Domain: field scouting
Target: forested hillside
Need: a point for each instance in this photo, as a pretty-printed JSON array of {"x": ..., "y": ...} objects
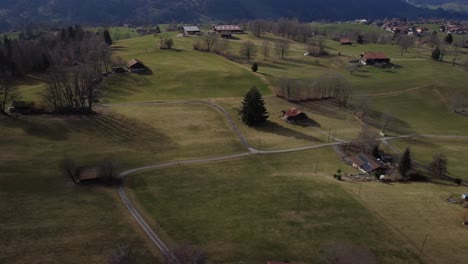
[
  {"x": 454, "y": 5},
  {"x": 15, "y": 13}
]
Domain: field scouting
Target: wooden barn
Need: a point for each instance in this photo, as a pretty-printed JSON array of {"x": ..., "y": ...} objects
[
  {"x": 346, "y": 41},
  {"x": 233, "y": 29},
  {"x": 136, "y": 65},
  {"x": 191, "y": 30},
  {"x": 294, "y": 115},
  {"x": 371, "y": 58}
]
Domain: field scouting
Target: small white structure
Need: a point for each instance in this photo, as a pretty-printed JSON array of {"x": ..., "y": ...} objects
[{"x": 465, "y": 196}]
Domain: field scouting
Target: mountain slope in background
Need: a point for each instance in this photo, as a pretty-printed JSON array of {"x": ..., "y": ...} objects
[
  {"x": 452, "y": 5},
  {"x": 20, "y": 12}
]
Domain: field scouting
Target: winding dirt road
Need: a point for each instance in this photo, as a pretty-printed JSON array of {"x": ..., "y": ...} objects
[{"x": 250, "y": 151}]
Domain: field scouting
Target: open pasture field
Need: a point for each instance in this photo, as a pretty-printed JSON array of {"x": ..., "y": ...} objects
[
  {"x": 424, "y": 111},
  {"x": 190, "y": 130},
  {"x": 248, "y": 209},
  {"x": 276, "y": 133},
  {"x": 424, "y": 149},
  {"x": 181, "y": 73},
  {"x": 417, "y": 210},
  {"x": 47, "y": 218}
]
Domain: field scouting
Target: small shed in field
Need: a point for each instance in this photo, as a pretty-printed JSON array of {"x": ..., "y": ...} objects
[
  {"x": 136, "y": 65},
  {"x": 294, "y": 115},
  {"x": 191, "y": 30}
]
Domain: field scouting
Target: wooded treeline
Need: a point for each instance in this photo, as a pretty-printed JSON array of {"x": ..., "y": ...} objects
[
  {"x": 302, "y": 32},
  {"x": 328, "y": 86},
  {"x": 71, "y": 61}
]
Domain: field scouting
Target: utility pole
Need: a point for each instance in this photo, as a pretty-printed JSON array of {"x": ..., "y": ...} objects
[
  {"x": 299, "y": 203},
  {"x": 329, "y": 132},
  {"x": 425, "y": 239},
  {"x": 316, "y": 166}
]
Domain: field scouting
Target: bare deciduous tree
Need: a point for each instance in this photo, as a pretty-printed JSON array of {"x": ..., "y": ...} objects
[
  {"x": 282, "y": 47},
  {"x": 405, "y": 42},
  {"x": 69, "y": 167},
  {"x": 209, "y": 42},
  {"x": 8, "y": 92},
  {"x": 166, "y": 42},
  {"x": 438, "y": 166},
  {"x": 186, "y": 254},
  {"x": 343, "y": 252},
  {"x": 265, "y": 50},
  {"x": 122, "y": 255},
  {"x": 248, "y": 50},
  {"x": 328, "y": 86}
]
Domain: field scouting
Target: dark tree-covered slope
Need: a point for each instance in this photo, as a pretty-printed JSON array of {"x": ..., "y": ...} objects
[{"x": 17, "y": 12}]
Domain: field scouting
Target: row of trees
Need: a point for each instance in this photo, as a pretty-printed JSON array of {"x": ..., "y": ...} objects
[{"x": 328, "y": 86}]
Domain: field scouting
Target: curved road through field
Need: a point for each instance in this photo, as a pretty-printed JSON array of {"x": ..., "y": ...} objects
[{"x": 251, "y": 151}]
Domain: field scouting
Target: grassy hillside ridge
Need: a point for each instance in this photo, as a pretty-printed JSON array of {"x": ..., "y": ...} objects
[{"x": 181, "y": 73}]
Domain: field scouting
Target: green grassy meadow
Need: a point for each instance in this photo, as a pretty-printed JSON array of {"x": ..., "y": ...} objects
[
  {"x": 417, "y": 210},
  {"x": 242, "y": 209},
  {"x": 455, "y": 150},
  {"x": 247, "y": 209},
  {"x": 181, "y": 73},
  {"x": 45, "y": 217}
]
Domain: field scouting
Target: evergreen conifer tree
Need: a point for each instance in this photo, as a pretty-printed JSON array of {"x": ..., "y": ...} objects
[
  {"x": 253, "y": 111},
  {"x": 405, "y": 163},
  {"x": 107, "y": 37}
]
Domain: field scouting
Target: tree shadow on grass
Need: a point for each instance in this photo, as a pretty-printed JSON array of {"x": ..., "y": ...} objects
[
  {"x": 119, "y": 48},
  {"x": 394, "y": 126},
  {"x": 311, "y": 62},
  {"x": 360, "y": 75},
  {"x": 326, "y": 108},
  {"x": 274, "y": 128},
  {"x": 40, "y": 126},
  {"x": 147, "y": 71},
  {"x": 120, "y": 128}
]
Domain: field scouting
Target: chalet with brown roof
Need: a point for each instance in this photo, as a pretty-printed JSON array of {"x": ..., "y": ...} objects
[
  {"x": 233, "y": 29},
  {"x": 136, "y": 65},
  {"x": 346, "y": 41},
  {"x": 294, "y": 115},
  {"x": 366, "y": 163},
  {"x": 371, "y": 58}
]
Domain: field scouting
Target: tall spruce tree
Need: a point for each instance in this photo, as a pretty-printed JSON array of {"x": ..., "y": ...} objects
[
  {"x": 107, "y": 37},
  {"x": 436, "y": 54},
  {"x": 449, "y": 39},
  {"x": 405, "y": 163},
  {"x": 253, "y": 111}
]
